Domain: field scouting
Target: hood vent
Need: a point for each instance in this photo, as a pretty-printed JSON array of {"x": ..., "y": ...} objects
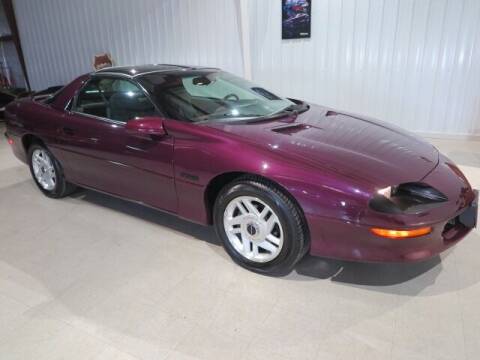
[
  {"x": 331, "y": 113},
  {"x": 291, "y": 129}
]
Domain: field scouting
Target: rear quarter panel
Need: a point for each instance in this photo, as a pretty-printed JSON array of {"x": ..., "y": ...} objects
[{"x": 26, "y": 117}]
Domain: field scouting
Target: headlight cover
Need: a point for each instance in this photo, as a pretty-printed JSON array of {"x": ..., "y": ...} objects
[{"x": 408, "y": 198}]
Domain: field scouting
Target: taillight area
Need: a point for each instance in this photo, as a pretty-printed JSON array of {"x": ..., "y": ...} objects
[
  {"x": 9, "y": 139},
  {"x": 401, "y": 234}
]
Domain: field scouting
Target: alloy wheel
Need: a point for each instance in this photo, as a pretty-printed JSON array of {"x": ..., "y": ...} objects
[
  {"x": 253, "y": 229},
  {"x": 44, "y": 170}
]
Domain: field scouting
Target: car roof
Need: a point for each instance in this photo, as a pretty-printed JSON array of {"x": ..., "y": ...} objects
[{"x": 138, "y": 70}]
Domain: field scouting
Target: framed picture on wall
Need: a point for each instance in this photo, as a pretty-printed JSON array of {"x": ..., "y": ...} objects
[{"x": 296, "y": 19}]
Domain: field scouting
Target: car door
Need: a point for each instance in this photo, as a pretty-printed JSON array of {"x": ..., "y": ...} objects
[{"x": 100, "y": 153}]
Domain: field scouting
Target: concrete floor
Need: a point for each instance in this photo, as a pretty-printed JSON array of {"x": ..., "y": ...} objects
[{"x": 92, "y": 277}]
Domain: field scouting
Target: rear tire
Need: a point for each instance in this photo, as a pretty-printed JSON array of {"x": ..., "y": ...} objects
[
  {"x": 261, "y": 228},
  {"x": 47, "y": 173}
]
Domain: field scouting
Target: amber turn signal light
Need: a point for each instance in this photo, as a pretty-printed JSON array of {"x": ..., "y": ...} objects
[{"x": 401, "y": 234}]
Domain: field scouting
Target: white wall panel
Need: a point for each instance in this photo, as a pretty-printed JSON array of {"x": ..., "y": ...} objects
[
  {"x": 60, "y": 37},
  {"x": 415, "y": 63}
]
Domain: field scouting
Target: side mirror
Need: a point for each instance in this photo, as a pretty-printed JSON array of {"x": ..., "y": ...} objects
[{"x": 146, "y": 127}]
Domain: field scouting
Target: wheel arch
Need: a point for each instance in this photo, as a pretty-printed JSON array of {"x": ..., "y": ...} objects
[
  {"x": 214, "y": 187},
  {"x": 220, "y": 181},
  {"x": 30, "y": 139}
]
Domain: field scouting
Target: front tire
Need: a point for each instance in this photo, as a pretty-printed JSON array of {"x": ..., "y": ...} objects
[
  {"x": 47, "y": 172},
  {"x": 261, "y": 228}
]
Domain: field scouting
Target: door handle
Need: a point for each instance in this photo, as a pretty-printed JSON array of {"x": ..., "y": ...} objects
[{"x": 68, "y": 131}]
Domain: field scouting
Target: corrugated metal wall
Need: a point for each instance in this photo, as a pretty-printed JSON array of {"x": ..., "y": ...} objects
[
  {"x": 60, "y": 37},
  {"x": 415, "y": 63},
  {"x": 9, "y": 61}
]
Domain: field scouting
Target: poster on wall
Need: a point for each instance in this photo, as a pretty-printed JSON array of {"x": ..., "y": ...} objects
[{"x": 296, "y": 19}]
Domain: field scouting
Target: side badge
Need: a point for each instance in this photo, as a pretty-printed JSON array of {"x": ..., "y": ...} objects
[{"x": 190, "y": 177}]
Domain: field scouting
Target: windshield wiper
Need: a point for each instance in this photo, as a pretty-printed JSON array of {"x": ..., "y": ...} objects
[
  {"x": 290, "y": 110},
  {"x": 229, "y": 116},
  {"x": 298, "y": 108}
]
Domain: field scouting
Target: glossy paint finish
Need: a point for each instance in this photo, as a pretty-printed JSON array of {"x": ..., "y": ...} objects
[
  {"x": 146, "y": 127},
  {"x": 331, "y": 163}
]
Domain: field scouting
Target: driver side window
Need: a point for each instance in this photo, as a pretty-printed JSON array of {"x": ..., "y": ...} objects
[{"x": 115, "y": 99}]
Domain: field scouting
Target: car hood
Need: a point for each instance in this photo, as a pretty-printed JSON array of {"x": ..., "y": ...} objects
[{"x": 361, "y": 148}]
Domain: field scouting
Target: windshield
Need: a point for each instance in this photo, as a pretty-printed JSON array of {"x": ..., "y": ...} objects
[{"x": 201, "y": 95}]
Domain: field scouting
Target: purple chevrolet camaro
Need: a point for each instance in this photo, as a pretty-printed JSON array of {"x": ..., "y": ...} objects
[{"x": 277, "y": 177}]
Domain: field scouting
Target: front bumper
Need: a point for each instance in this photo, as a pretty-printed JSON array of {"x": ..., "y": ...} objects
[{"x": 349, "y": 241}]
